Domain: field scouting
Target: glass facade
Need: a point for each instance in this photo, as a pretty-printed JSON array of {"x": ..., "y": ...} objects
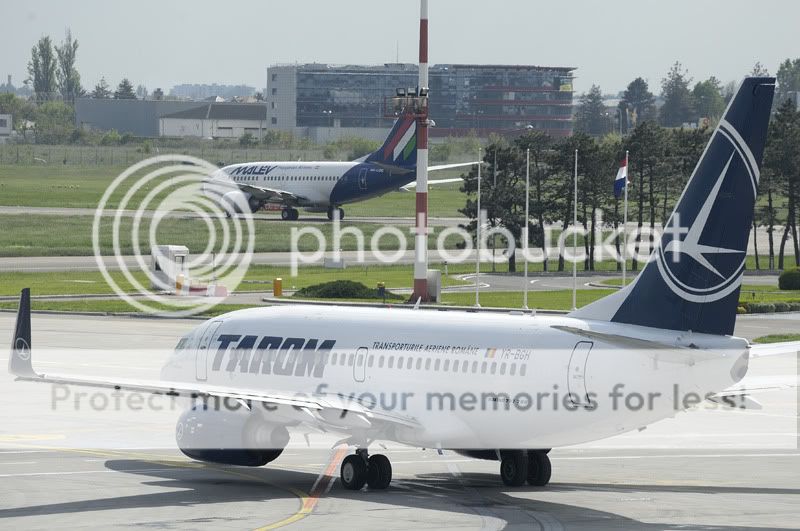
[{"x": 464, "y": 98}]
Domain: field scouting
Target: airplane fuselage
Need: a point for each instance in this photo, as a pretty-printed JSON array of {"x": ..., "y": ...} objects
[
  {"x": 495, "y": 381},
  {"x": 320, "y": 184}
]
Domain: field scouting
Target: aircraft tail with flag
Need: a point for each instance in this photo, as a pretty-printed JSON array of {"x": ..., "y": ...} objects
[{"x": 400, "y": 148}]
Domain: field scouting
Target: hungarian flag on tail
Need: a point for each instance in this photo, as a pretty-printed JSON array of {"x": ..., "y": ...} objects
[{"x": 622, "y": 179}]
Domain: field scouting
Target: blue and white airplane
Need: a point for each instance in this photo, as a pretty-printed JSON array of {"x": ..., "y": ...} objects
[
  {"x": 325, "y": 186},
  {"x": 490, "y": 386}
]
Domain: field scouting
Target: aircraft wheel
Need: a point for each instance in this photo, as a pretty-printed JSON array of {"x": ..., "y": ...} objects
[
  {"x": 514, "y": 468},
  {"x": 286, "y": 214},
  {"x": 295, "y": 214},
  {"x": 354, "y": 472},
  {"x": 379, "y": 472},
  {"x": 539, "y": 469}
]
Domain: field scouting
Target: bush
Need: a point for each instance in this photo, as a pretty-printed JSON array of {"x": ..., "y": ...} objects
[
  {"x": 789, "y": 279},
  {"x": 343, "y": 289},
  {"x": 794, "y": 306},
  {"x": 741, "y": 309},
  {"x": 781, "y": 307},
  {"x": 111, "y": 138},
  {"x": 760, "y": 307}
]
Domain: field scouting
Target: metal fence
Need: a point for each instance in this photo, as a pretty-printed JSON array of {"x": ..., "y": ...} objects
[{"x": 31, "y": 154}]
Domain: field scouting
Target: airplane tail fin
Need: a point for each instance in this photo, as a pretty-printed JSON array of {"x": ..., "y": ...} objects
[
  {"x": 693, "y": 277},
  {"x": 400, "y": 148},
  {"x": 19, "y": 362}
]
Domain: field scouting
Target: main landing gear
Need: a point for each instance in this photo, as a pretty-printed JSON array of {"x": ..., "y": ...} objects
[
  {"x": 359, "y": 469},
  {"x": 519, "y": 466},
  {"x": 289, "y": 214},
  {"x": 332, "y": 211}
]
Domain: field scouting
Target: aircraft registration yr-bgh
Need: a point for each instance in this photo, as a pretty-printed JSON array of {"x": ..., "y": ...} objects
[
  {"x": 505, "y": 387},
  {"x": 325, "y": 186}
]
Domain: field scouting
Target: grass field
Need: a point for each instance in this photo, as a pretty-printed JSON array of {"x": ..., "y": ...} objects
[
  {"x": 258, "y": 278},
  {"x": 777, "y": 338},
  {"x": 112, "y": 306}
]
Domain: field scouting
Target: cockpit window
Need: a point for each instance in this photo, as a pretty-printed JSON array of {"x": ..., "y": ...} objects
[{"x": 182, "y": 344}]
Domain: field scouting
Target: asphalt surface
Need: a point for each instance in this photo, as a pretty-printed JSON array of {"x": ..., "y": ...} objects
[{"x": 705, "y": 469}]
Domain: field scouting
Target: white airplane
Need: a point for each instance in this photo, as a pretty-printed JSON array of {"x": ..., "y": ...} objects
[
  {"x": 505, "y": 387},
  {"x": 325, "y": 186}
]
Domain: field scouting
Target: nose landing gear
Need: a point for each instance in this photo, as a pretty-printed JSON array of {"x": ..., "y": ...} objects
[{"x": 289, "y": 214}]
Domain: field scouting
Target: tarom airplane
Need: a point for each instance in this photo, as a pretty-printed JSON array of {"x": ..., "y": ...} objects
[
  {"x": 325, "y": 186},
  {"x": 490, "y": 386}
]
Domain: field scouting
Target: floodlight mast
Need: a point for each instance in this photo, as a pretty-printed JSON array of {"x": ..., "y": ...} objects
[{"x": 421, "y": 111}]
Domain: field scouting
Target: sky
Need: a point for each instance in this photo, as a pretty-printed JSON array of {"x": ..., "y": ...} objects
[{"x": 163, "y": 43}]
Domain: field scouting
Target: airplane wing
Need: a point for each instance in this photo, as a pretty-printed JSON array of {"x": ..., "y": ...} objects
[
  {"x": 412, "y": 184},
  {"x": 450, "y": 166},
  {"x": 270, "y": 195},
  {"x": 319, "y": 410}
]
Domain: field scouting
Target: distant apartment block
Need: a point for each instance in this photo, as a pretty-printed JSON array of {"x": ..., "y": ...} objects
[{"x": 319, "y": 100}]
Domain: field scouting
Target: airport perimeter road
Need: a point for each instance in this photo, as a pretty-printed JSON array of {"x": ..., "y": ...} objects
[
  {"x": 305, "y": 217},
  {"x": 707, "y": 468}
]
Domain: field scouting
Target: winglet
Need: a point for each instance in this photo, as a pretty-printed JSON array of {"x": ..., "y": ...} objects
[{"x": 19, "y": 362}]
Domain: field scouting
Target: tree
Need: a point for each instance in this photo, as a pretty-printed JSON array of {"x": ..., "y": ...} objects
[
  {"x": 69, "y": 80},
  {"x": 502, "y": 197},
  {"x": 788, "y": 78},
  {"x": 782, "y": 162},
  {"x": 592, "y": 117},
  {"x": 101, "y": 90},
  {"x": 639, "y": 100},
  {"x": 158, "y": 94},
  {"x": 141, "y": 92},
  {"x": 124, "y": 90},
  {"x": 708, "y": 99},
  {"x": 759, "y": 70},
  {"x": 538, "y": 143},
  {"x": 677, "y": 108},
  {"x": 20, "y": 109},
  {"x": 55, "y": 122},
  {"x": 42, "y": 69}
]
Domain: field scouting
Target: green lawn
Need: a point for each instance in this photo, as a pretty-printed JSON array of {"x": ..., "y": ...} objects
[
  {"x": 113, "y": 306},
  {"x": 777, "y": 338},
  {"x": 258, "y": 278}
]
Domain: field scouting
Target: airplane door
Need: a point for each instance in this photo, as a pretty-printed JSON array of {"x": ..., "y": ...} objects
[
  {"x": 201, "y": 355},
  {"x": 576, "y": 374},
  {"x": 360, "y": 364},
  {"x": 362, "y": 179}
]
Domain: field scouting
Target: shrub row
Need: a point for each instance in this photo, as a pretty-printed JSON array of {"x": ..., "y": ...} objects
[{"x": 768, "y": 307}]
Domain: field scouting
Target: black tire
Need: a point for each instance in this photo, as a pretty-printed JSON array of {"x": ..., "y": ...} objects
[
  {"x": 341, "y": 214},
  {"x": 514, "y": 468},
  {"x": 539, "y": 469},
  {"x": 379, "y": 473},
  {"x": 353, "y": 472},
  {"x": 295, "y": 214},
  {"x": 286, "y": 214}
]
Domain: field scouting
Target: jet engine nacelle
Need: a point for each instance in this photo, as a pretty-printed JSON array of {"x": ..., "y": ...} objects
[
  {"x": 239, "y": 437},
  {"x": 240, "y": 202}
]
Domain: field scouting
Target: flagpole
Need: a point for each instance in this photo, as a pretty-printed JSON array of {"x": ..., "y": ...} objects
[
  {"x": 478, "y": 237},
  {"x": 575, "y": 239},
  {"x": 625, "y": 223},
  {"x": 527, "y": 218}
]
